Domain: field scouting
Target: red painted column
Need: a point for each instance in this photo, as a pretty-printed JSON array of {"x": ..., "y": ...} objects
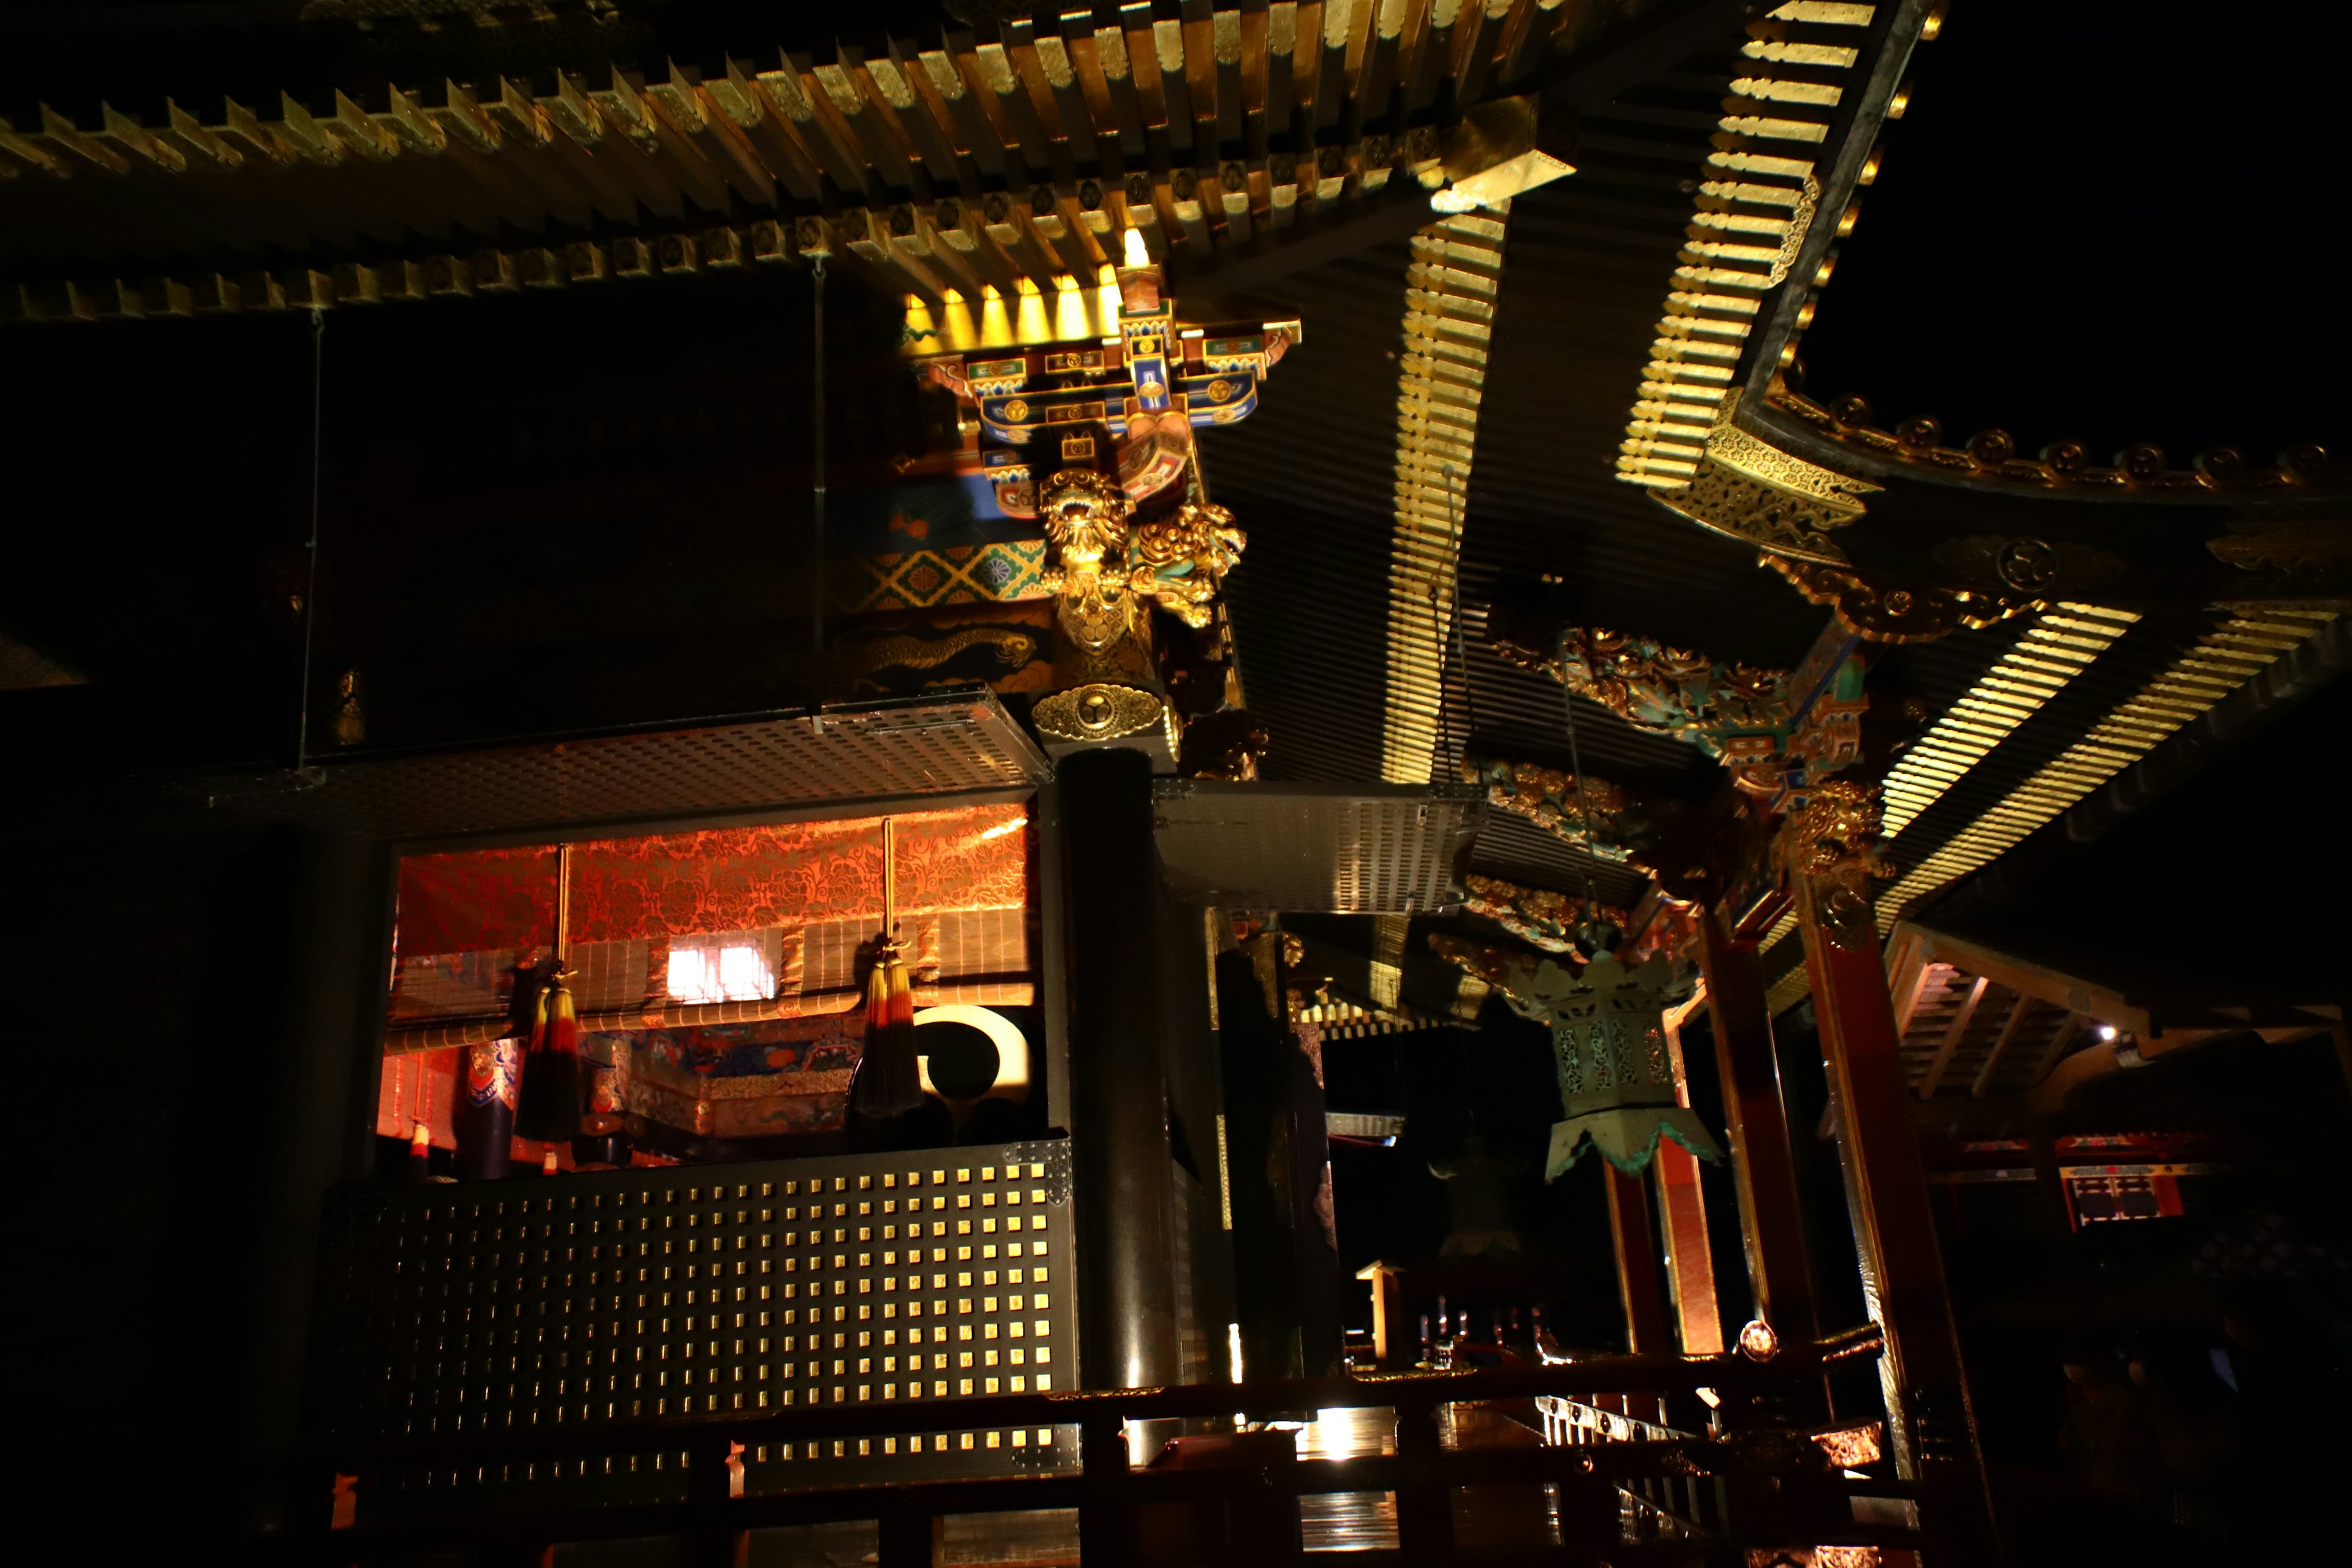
[
  {"x": 1931, "y": 1429},
  {"x": 1637, "y": 1262},
  {"x": 1690, "y": 1261},
  {"x": 1682, "y": 1214},
  {"x": 1771, "y": 1214}
]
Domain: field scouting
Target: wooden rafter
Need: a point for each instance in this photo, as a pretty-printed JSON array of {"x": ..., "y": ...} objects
[
  {"x": 2020, "y": 1006},
  {"x": 958, "y": 160},
  {"x": 1953, "y": 1034}
]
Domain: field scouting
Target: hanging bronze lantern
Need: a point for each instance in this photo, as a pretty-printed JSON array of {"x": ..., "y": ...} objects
[{"x": 1609, "y": 1047}]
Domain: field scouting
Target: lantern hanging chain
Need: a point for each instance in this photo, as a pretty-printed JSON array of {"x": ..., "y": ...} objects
[
  {"x": 311, "y": 583},
  {"x": 816, "y": 448},
  {"x": 1576, "y": 763}
]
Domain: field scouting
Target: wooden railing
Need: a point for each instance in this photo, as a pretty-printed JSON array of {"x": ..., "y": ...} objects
[{"x": 1763, "y": 1487}]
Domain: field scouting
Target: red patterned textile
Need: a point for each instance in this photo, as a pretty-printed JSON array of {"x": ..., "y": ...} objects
[
  {"x": 421, "y": 1087},
  {"x": 727, "y": 880},
  {"x": 477, "y": 899}
]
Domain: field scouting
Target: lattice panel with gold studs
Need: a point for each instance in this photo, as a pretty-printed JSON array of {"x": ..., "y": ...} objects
[{"x": 917, "y": 1279}]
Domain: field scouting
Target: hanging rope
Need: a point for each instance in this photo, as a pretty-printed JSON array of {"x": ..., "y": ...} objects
[
  {"x": 889, "y": 1079},
  {"x": 816, "y": 432},
  {"x": 1591, "y": 914},
  {"x": 311, "y": 583},
  {"x": 1438, "y": 764},
  {"x": 1437, "y": 624},
  {"x": 1461, "y": 647}
]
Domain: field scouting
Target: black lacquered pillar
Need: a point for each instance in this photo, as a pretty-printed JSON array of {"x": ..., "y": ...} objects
[{"x": 1118, "y": 1109}]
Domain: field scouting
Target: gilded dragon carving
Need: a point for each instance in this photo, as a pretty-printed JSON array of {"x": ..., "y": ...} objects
[
  {"x": 1101, "y": 566},
  {"x": 1085, "y": 516},
  {"x": 1538, "y": 915},
  {"x": 1891, "y": 615},
  {"x": 1831, "y": 844},
  {"x": 1181, "y": 561},
  {"x": 1593, "y": 816}
]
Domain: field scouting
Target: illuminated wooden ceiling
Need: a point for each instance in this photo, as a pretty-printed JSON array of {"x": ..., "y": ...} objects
[
  {"x": 944, "y": 160},
  {"x": 1275, "y": 154}
]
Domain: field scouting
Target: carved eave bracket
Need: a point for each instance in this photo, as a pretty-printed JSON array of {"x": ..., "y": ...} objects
[
  {"x": 1540, "y": 915},
  {"x": 1828, "y": 852},
  {"x": 1548, "y": 919},
  {"x": 1776, "y": 729}
]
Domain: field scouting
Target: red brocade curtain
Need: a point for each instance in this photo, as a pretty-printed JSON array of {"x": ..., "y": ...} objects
[
  {"x": 478, "y": 900},
  {"x": 725, "y": 879}
]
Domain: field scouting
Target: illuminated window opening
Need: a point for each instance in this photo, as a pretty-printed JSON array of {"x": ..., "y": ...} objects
[{"x": 734, "y": 966}]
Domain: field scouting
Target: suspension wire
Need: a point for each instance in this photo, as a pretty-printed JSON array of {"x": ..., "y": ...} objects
[
  {"x": 1437, "y": 622},
  {"x": 1576, "y": 761},
  {"x": 1461, "y": 647},
  {"x": 816, "y": 499},
  {"x": 311, "y": 585},
  {"x": 1444, "y": 720}
]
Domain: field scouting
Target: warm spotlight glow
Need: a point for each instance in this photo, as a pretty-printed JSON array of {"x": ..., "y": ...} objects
[
  {"x": 1135, "y": 255},
  {"x": 1232, "y": 1330},
  {"x": 995, "y": 324},
  {"x": 1070, "y": 310},
  {"x": 1029, "y": 326},
  {"x": 921, "y": 329},
  {"x": 962, "y": 332},
  {"x": 2106, "y": 1031}
]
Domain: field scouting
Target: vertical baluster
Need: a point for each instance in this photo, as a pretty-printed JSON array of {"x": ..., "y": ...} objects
[
  {"x": 711, "y": 1480},
  {"x": 911, "y": 1538},
  {"x": 1106, "y": 1517},
  {"x": 1424, "y": 1510}
]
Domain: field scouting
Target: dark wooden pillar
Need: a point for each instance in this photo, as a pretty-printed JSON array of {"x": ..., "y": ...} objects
[
  {"x": 1119, "y": 1110},
  {"x": 1931, "y": 1429},
  {"x": 1771, "y": 1214},
  {"x": 322, "y": 1129},
  {"x": 1287, "y": 1284},
  {"x": 1637, "y": 1242}
]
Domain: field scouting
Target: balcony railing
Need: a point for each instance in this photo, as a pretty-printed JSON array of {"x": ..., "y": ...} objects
[{"x": 1764, "y": 1487}]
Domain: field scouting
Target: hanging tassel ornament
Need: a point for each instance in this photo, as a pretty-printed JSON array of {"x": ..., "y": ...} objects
[
  {"x": 549, "y": 1111},
  {"x": 550, "y": 1106},
  {"x": 889, "y": 1080}
]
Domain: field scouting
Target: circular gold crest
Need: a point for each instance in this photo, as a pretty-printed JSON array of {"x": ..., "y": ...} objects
[
  {"x": 1017, "y": 410},
  {"x": 1220, "y": 390}
]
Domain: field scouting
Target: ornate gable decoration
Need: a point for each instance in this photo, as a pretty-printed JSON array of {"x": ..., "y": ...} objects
[{"x": 1748, "y": 489}]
